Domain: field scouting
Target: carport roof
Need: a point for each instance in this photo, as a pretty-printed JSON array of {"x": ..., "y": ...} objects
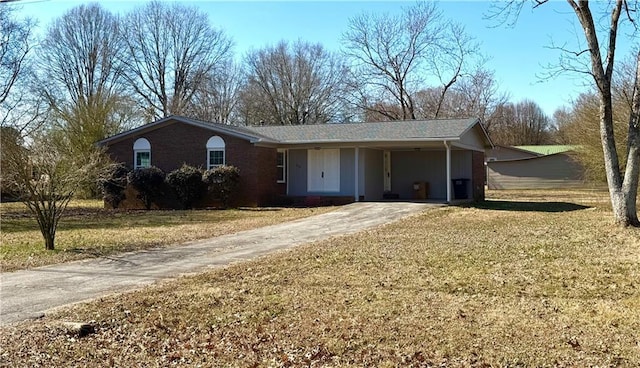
[{"x": 405, "y": 130}]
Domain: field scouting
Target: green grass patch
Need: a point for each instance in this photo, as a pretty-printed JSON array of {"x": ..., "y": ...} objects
[
  {"x": 89, "y": 230},
  {"x": 455, "y": 287}
]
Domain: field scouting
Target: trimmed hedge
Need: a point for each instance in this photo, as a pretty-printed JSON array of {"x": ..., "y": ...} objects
[
  {"x": 187, "y": 184},
  {"x": 183, "y": 187},
  {"x": 223, "y": 182},
  {"x": 148, "y": 181},
  {"x": 114, "y": 184}
]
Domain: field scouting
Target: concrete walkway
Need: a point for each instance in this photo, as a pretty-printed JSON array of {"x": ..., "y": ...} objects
[{"x": 30, "y": 293}]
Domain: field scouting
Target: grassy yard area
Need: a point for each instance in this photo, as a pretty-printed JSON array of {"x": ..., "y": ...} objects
[
  {"x": 89, "y": 230},
  {"x": 527, "y": 279}
]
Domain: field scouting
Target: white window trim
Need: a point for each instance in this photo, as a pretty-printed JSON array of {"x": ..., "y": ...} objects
[
  {"x": 141, "y": 145},
  {"x": 284, "y": 166},
  {"x": 216, "y": 144}
]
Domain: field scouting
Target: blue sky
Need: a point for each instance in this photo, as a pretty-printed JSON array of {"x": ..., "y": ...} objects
[{"x": 518, "y": 54}]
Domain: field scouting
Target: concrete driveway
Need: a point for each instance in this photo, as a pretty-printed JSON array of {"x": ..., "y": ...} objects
[{"x": 30, "y": 293}]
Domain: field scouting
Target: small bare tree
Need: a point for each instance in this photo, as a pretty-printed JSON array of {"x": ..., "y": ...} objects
[
  {"x": 45, "y": 180},
  {"x": 171, "y": 49},
  {"x": 301, "y": 83},
  {"x": 597, "y": 60}
]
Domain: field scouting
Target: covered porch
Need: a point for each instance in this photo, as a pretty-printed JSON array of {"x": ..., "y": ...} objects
[{"x": 392, "y": 171}]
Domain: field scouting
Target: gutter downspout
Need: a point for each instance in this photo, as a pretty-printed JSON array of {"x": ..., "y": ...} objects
[{"x": 448, "y": 183}]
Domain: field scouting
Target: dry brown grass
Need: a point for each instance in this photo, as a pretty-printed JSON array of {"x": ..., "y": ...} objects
[
  {"x": 506, "y": 284},
  {"x": 89, "y": 230}
]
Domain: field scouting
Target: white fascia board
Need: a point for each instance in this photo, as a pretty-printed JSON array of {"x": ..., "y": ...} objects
[{"x": 373, "y": 141}]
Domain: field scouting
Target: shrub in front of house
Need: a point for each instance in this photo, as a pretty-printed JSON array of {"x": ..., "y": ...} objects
[
  {"x": 113, "y": 184},
  {"x": 223, "y": 182},
  {"x": 148, "y": 181},
  {"x": 187, "y": 184}
]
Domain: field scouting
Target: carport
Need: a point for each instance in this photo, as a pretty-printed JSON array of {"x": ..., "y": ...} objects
[{"x": 386, "y": 160}]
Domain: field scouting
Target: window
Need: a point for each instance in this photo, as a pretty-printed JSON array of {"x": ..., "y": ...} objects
[
  {"x": 141, "y": 153},
  {"x": 215, "y": 152},
  {"x": 216, "y": 158},
  {"x": 282, "y": 166}
]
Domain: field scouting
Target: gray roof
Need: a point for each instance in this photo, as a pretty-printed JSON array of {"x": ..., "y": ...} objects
[
  {"x": 388, "y": 131},
  {"x": 406, "y": 130}
]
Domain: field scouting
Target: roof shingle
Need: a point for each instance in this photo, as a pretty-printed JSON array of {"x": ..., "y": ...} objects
[{"x": 364, "y": 132}]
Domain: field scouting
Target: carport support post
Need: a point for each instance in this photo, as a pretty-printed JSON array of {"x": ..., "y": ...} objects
[
  {"x": 357, "y": 173},
  {"x": 448, "y": 184}
]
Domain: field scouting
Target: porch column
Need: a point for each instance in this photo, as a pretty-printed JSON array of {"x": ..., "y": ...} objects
[
  {"x": 357, "y": 174},
  {"x": 286, "y": 169},
  {"x": 448, "y": 147}
]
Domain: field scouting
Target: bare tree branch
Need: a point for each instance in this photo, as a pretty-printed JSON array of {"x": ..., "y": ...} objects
[
  {"x": 393, "y": 51},
  {"x": 219, "y": 96},
  {"x": 15, "y": 44},
  {"x": 294, "y": 84},
  {"x": 171, "y": 49}
]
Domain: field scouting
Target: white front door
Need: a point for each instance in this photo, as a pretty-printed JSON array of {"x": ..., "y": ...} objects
[
  {"x": 315, "y": 168},
  {"x": 387, "y": 171},
  {"x": 323, "y": 170}
]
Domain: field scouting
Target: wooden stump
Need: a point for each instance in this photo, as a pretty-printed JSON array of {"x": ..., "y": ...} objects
[{"x": 79, "y": 328}]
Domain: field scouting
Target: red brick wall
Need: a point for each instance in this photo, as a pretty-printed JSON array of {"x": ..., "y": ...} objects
[
  {"x": 175, "y": 143},
  {"x": 258, "y": 172},
  {"x": 477, "y": 176}
]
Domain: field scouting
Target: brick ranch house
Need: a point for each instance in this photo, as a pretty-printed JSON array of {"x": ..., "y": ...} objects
[{"x": 415, "y": 159}]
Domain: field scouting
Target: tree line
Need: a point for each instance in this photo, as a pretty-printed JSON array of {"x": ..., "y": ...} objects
[{"x": 94, "y": 74}]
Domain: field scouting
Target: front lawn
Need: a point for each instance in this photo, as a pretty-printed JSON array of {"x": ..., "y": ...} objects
[
  {"x": 89, "y": 230},
  {"x": 507, "y": 283}
]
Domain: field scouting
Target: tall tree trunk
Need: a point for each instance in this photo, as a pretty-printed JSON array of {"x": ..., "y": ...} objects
[
  {"x": 622, "y": 190},
  {"x": 632, "y": 171},
  {"x": 611, "y": 163}
]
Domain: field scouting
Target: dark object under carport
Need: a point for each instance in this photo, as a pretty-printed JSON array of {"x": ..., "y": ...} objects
[
  {"x": 420, "y": 190},
  {"x": 460, "y": 188}
]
